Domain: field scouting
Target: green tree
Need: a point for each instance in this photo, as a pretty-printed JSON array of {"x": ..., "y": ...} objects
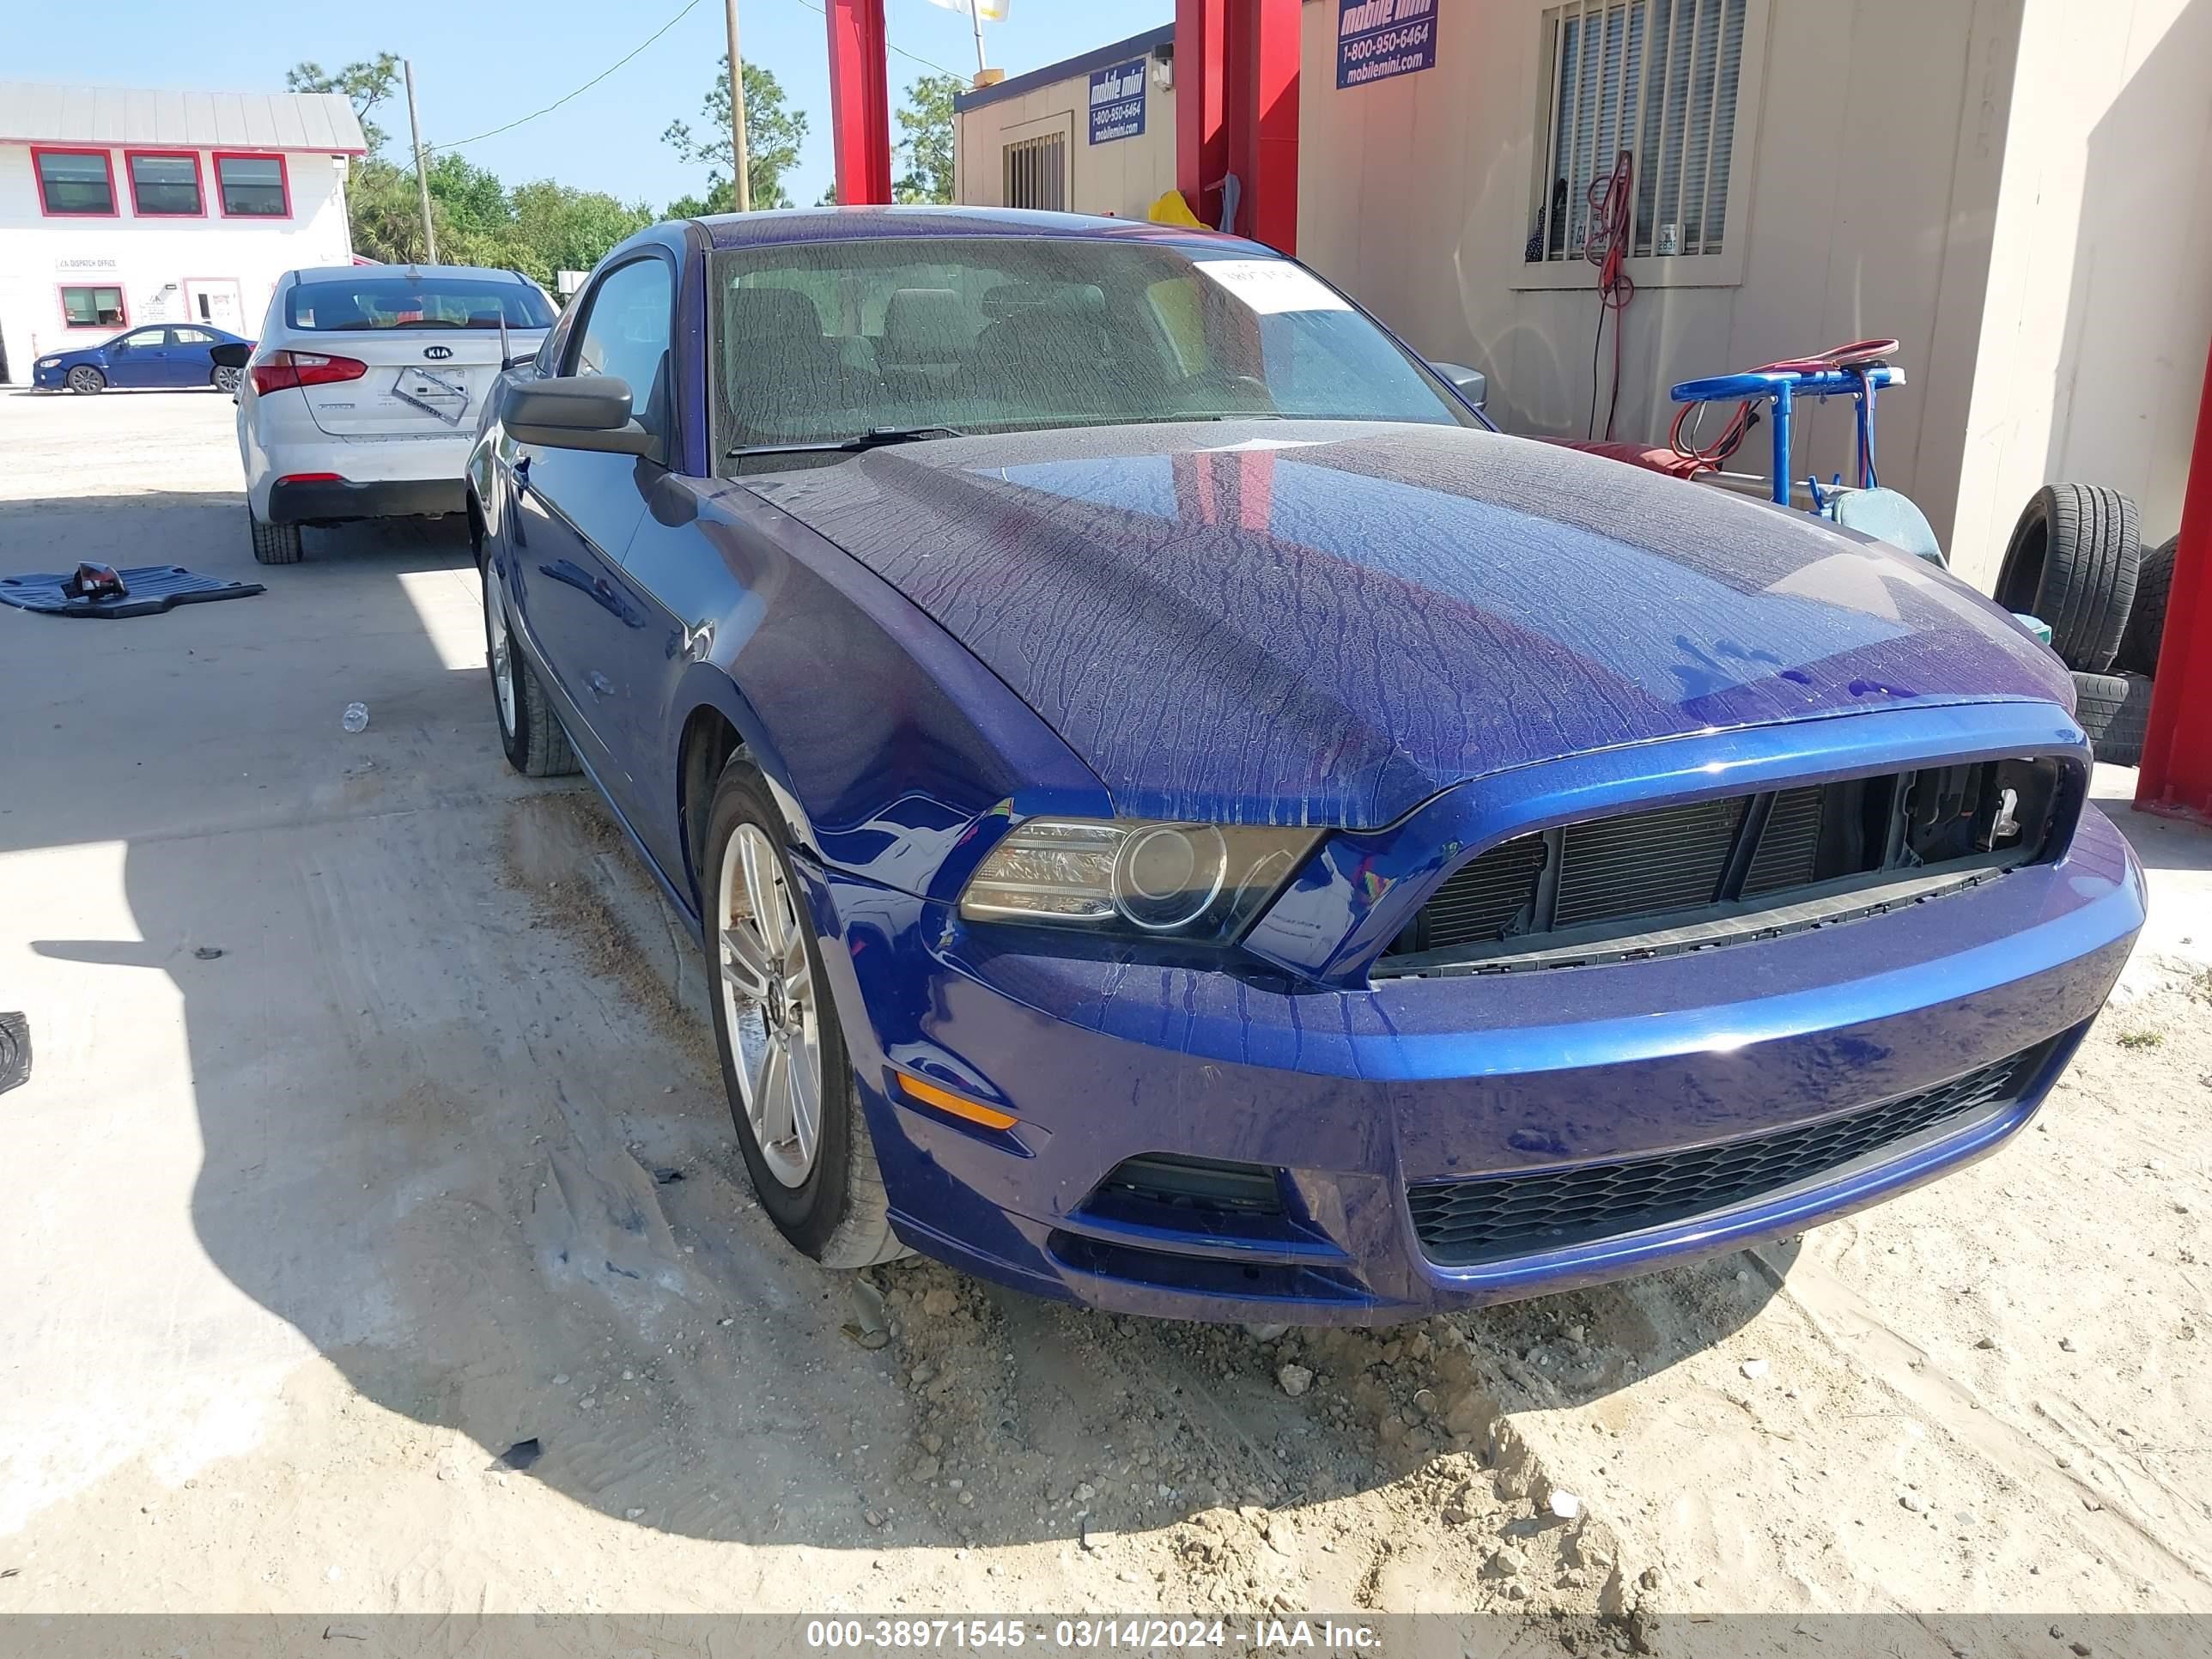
[
  {"x": 474, "y": 200},
  {"x": 926, "y": 139},
  {"x": 381, "y": 206},
  {"x": 366, "y": 82},
  {"x": 774, "y": 133},
  {"x": 564, "y": 229}
]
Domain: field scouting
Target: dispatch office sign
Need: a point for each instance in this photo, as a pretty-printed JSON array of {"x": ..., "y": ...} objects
[
  {"x": 1378, "y": 38},
  {"x": 1117, "y": 102}
]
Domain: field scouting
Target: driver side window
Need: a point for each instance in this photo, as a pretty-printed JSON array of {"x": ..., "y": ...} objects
[{"x": 625, "y": 332}]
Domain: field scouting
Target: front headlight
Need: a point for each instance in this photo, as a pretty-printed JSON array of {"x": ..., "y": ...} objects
[
  {"x": 48, "y": 362},
  {"x": 1201, "y": 883}
]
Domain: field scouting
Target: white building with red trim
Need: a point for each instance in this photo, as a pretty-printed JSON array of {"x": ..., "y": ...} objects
[{"x": 121, "y": 207}]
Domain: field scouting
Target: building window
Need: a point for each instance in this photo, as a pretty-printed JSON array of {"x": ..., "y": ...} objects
[
  {"x": 1036, "y": 173},
  {"x": 93, "y": 307},
  {"x": 1657, "y": 79},
  {"x": 163, "y": 183},
  {"x": 253, "y": 187},
  {"x": 75, "y": 181}
]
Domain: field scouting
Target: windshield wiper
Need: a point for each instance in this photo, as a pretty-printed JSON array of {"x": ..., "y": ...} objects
[{"x": 876, "y": 437}]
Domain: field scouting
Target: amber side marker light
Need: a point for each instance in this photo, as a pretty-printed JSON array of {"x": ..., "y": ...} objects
[{"x": 946, "y": 1101}]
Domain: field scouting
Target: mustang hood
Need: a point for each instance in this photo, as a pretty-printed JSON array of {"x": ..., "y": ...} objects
[{"x": 1276, "y": 621}]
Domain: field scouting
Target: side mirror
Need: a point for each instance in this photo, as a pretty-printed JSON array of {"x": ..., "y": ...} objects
[
  {"x": 1471, "y": 384},
  {"x": 577, "y": 411}
]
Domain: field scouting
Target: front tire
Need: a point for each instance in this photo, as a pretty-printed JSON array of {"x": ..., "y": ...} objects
[
  {"x": 536, "y": 743},
  {"x": 84, "y": 378},
  {"x": 273, "y": 543},
  {"x": 800, "y": 1123}
]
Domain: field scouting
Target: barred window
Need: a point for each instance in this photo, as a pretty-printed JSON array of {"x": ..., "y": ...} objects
[
  {"x": 1658, "y": 79},
  {"x": 1036, "y": 173}
]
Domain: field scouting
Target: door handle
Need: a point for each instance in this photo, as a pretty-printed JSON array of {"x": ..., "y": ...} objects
[{"x": 600, "y": 685}]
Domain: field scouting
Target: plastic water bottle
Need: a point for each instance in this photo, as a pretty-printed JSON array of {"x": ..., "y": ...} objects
[{"x": 356, "y": 717}]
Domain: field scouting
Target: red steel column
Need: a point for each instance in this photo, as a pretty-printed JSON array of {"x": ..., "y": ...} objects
[
  {"x": 1260, "y": 88},
  {"x": 860, "y": 101},
  {"x": 2177, "y": 763},
  {"x": 1201, "y": 138}
]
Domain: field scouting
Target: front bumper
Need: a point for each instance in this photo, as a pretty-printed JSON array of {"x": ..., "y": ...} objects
[{"x": 1357, "y": 1094}]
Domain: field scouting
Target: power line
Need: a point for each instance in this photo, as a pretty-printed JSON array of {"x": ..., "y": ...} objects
[
  {"x": 459, "y": 144},
  {"x": 690, "y": 7}
]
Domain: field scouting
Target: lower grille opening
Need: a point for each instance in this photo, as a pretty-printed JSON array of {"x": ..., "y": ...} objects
[
  {"x": 1465, "y": 1224},
  {"x": 1207, "y": 1275},
  {"x": 1205, "y": 1185}
]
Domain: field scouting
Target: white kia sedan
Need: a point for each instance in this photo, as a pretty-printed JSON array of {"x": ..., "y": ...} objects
[{"x": 360, "y": 398}]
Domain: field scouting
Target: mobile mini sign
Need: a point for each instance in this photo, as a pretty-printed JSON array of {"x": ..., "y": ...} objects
[
  {"x": 1378, "y": 38},
  {"x": 1117, "y": 102}
]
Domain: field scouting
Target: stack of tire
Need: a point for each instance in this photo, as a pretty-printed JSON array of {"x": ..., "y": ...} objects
[{"x": 2075, "y": 560}]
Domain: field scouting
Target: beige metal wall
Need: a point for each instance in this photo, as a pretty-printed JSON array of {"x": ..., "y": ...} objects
[
  {"x": 1123, "y": 178},
  {"x": 1870, "y": 142},
  {"x": 2093, "y": 343}
]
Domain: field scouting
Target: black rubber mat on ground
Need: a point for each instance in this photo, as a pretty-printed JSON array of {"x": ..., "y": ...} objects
[
  {"x": 153, "y": 588},
  {"x": 14, "y": 1050}
]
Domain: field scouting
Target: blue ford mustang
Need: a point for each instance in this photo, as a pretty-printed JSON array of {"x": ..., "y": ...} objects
[
  {"x": 1189, "y": 820},
  {"x": 172, "y": 355}
]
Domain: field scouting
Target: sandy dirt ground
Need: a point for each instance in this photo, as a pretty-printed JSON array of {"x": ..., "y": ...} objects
[{"x": 376, "y": 1240}]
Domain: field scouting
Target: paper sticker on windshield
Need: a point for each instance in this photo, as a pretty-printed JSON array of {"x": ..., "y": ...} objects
[{"x": 1268, "y": 286}]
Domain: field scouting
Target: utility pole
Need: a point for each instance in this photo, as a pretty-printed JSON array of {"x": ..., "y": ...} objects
[
  {"x": 422, "y": 175},
  {"x": 738, "y": 152}
]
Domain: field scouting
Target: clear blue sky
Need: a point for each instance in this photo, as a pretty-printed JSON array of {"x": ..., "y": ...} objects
[{"x": 476, "y": 66}]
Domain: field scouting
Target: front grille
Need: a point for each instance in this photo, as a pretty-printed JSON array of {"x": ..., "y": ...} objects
[
  {"x": 1465, "y": 1224},
  {"x": 1487, "y": 897},
  {"x": 1647, "y": 864},
  {"x": 1696, "y": 874},
  {"x": 1789, "y": 845}
]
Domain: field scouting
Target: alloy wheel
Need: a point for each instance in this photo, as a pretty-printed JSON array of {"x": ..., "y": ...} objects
[
  {"x": 226, "y": 379},
  {"x": 769, "y": 1005},
  {"x": 85, "y": 378}
]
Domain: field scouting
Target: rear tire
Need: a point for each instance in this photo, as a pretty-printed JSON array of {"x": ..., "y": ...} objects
[
  {"x": 2072, "y": 563},
  {"x": 2114, "y": 709},
  {"x": 828, "y": 1198},
  {"x": 2146, "y": 627},
  {"x": 536, "y": 743},
  {"x": 225, "y": 379},
  {"x": 273, "y": 543}
]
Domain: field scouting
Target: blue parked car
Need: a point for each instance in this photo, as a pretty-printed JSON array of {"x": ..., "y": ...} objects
[
  {"x": 173, "y": 355},
  {"x": 1188, "y": 820}
]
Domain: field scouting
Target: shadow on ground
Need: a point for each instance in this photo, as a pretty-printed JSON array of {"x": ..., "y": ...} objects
[{"x": 459, "y": 1138}]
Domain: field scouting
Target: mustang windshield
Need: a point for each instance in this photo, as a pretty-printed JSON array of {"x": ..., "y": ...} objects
[{"x": 823, "y": 344}]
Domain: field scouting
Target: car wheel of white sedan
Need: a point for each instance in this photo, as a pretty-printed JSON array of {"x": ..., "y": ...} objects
[
  {"x": 273, "y": 543},
  {"x": 85, "y": 378},
  {"x": 536, "y": 743},
  {"x": 799, "y": 1120}
]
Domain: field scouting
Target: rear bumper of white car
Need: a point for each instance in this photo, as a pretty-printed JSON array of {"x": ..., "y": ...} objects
[
  {"x": 325, "y": 480},
  {"x": 332, "y": 500}
]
